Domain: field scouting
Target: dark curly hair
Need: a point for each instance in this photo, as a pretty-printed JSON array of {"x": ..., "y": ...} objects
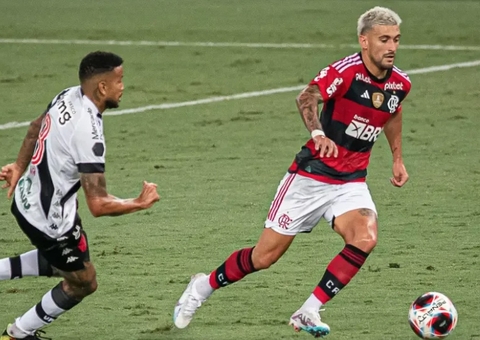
[{"x": 97, "y": 63}]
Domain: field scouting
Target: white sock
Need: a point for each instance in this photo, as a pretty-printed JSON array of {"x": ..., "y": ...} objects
[
  {"x": 30, "y": 266},
  {"x": 202, "y": 286},
  {"x": 5, "y": 272},
  {"x": 27, "y": 264},
  {"x": 53, "y": 304},
  {"x": 312, "y": 303},
  {"x": 16, "y": 332},
  {"x": 40, "y": 315}
]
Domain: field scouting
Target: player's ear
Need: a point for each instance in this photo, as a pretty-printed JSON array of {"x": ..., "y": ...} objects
[
  {"x": 102, "y": 87},
  {"x": 363, "y": 41}
]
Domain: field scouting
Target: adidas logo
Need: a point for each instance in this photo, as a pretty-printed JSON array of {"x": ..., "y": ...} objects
[{"x": 365, "y": 95}]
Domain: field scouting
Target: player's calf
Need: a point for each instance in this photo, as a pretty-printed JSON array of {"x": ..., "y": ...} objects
[
  {"x": 53, "y": 304},
  {"x": 201, "y": 286},
  {"x": 338, "y": 274},
  {"x": 63, "y": 297},
  {"x": 239, "y": 264},
  {"x": 264, "y": 259},
  {"x": 359, "y": 231},
  {"x": 270, "y": 247}
]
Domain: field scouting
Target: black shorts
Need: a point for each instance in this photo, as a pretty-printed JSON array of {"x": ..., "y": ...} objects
[{"x": 67, "y": 253}]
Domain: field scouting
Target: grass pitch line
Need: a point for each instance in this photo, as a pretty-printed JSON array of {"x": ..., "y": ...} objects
[
  {"x": 209, "y": 100},
  {"x": 221, "y": 44}
]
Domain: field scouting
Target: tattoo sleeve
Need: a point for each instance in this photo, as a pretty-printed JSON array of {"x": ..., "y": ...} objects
[
  {"x": 307, "y": 104},
  {"x": 28, "y": 146},
  {"x": 100, "y": 202},
  {"x": 94, "y": 185}
]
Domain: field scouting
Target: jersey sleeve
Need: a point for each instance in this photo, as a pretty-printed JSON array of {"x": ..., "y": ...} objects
[
  {"x": 88, "y": 146},
  {"x": 330, "y": 83}
]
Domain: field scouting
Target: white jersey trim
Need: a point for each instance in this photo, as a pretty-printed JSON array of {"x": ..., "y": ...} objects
[{"x": 401, "y": 73}]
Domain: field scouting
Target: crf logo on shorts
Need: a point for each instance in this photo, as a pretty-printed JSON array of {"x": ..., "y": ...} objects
[
  {"x": 284, "y": 221},
  {"x": 363, "y": 131}
]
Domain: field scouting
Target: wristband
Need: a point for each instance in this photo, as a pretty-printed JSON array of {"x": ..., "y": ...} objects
[{"x": 317, "y": 132}]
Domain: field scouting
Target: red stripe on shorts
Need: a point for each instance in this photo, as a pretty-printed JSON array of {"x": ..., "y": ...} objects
[{"x": 279, "y": 198}]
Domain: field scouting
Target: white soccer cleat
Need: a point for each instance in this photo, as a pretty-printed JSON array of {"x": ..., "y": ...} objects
[
  {"x": 310, "y": 322},
  {"x": 188, "y": 304}
]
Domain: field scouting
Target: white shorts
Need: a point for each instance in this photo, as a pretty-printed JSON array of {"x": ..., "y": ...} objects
[{"x": 301, "y": 202}]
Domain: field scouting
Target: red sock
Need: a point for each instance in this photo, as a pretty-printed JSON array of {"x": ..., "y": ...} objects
[
  {"x": 235, "y": 268},
  {"x": 339, "y": 272}
]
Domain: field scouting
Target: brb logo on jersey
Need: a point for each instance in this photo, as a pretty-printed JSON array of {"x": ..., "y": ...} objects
[{"x": 360, "y": 129}]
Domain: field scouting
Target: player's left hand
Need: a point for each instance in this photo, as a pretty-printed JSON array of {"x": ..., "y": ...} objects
[
  {"x": 10, "y": 173},
  {"x": 400, "y": 175}
]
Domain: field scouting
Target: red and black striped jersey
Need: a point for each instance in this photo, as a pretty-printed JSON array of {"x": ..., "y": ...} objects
[{"x": 356, "y": 107}]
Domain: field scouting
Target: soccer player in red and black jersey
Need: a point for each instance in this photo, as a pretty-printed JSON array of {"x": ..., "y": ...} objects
[{"x": 362, "y": 96}]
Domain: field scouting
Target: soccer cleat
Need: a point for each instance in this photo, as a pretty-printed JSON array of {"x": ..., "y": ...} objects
[
  {"x": 188, "y": 304},
  {"x": 5, "y": 336},
  {"x": 310, "y": 322},
  {"x": 36, "y": 336}
]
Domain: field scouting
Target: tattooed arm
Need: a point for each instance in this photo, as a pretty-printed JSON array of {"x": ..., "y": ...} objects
[
  {"x": 100, "y": 203},
  {"x": 307, "y": 103},
  {"x": 26, "y": 150},
  {"x": 11, "y": 173}
]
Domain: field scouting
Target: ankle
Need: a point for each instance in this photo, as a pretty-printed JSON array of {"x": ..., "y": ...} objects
[
  {"x": 312, "y": 303},
  {"x": 202, "y": 286},
  {"x": 17, "y": 332}
]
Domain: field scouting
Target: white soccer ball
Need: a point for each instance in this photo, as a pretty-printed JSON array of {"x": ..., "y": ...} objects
[{"x": 432, "y": 316}]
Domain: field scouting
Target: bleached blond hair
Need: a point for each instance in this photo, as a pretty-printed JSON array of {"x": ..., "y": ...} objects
[{"x": 377, "y": 16}]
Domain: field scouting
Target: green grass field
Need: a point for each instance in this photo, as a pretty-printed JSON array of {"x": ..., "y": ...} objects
[{"x": 218, "y": 165}]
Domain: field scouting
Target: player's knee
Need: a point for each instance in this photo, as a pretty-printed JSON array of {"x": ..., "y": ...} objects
[
  {"x": 86, "y": 288},
  {"x": 365, "y": 240},
  {"x": 91, "y": 287},
  {"x": 81, "y": 289},
  {"x": 368, "y": 244}
]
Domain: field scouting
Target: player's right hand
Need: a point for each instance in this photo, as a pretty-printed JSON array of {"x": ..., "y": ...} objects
[
  {"x": 325, "y": 146},
  {"x": 149, "y": 195},
  {"x": 10, "y": 173}
]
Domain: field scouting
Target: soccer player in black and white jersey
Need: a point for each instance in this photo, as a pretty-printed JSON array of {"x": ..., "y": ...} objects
[
  {"x": 64, "y": 149},
  {"x": 362, "y": 95}
]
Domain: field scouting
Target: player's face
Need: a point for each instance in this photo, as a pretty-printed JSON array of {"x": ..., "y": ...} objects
[
  {"x": 381, "y": 43},
  {"x": 114, "y": 88}
]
